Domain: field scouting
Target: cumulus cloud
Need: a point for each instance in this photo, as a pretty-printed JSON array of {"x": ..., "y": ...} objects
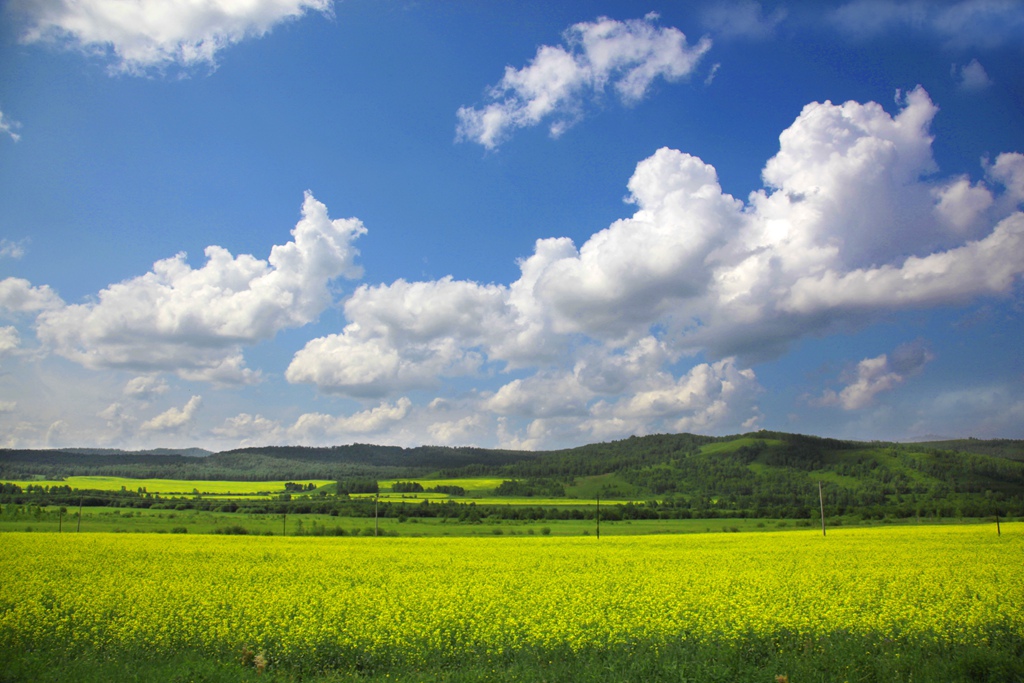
[
  {"x": 17, "y": 295},
  {"x": 404, "y": 335},
  {"x": 560, "y": 80},
  {"x": 9, "y": 339},
  {"x": 145, "y": 387},
  {"x": 877, "y": 375},
  {"x": 971, "y": 76},
  {"x": 174, "y": 419},
  {"x": 962, "y": 24},
  {"x": 193, "y": 321},
  {"x": 854, "y": 221},
  {"x": 157, "y": 33},
  {"x": 250, "y": 430},
  {"x": 456, "y": 432},
  {"x": 314, "y": 425},
  {"x": 9, "y": 127}
]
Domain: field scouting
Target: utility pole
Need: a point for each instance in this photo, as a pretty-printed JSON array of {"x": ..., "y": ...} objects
[
  {"x": 284, "y": 523},
  {"x": 599, "y": 516},
  {"x": 998, "y": 531},
  {"x": 80, "y": 500},
  {"x": 376, "y": 524},
  {"x": 821, "y": 500}
]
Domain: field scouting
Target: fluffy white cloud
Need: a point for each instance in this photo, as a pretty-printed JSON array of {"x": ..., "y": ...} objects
[
  {"x": 560, "y": 80},
  {"x": 961, "y": 24},
  {"x": 854, "y": 222},
  {"x": 157, "y": 33},
  {"x": 702, "y": 400},
  {"x": 174, "y": 419},
  {"x": 709, "y": 397},
  {"x": 194, "y": 321},
  {"x": 245, "y": 430},
  {"x": 312, "y": 426},
  {"x": 404, "y": 335},
  {"x": 876, "y": 375},
  {"x": 963, "y": 205},
  {"x": 9, "y": 339},
  {"x": 1008, "y": 171},
  {"x": 145, "y": 387},
  {"x": 628, "y": 275},
  {"x": 456, "y": 432},
  {"x": 9, "y": 127},
  {"x": 17, "y": 295}
]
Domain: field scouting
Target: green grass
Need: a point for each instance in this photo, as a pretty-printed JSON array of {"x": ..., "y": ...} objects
[
  {"x": 606, "y": 485},
  {"x": 142, "y": 520}
]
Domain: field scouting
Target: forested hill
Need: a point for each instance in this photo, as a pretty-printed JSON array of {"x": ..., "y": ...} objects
[
  {"x": 252, "y": 464},
  {"x": 757, "y": 466}
]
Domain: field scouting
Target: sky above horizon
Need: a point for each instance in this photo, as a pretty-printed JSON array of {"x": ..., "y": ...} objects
[{"x": 518, "y": 225}]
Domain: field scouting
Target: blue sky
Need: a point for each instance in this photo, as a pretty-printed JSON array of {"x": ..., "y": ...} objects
[{"x": 523, "y": 225}]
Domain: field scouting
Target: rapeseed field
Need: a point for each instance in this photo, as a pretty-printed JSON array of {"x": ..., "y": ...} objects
[{"x": 322, "y": 604}]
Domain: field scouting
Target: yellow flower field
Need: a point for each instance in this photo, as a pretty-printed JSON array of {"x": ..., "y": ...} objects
[{"x": 323, "y": 600}]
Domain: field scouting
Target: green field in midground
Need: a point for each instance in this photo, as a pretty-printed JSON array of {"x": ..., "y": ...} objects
[{"x": 142, "y": 520}]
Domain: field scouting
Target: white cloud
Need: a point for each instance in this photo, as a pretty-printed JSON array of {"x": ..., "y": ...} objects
[
  {"x": 174, "y": 419},
  {"x": 157, "y": 33},
  {"x": 55, "y": 434},
  {"x": 8, "y": 406},
  {"x": 963, "y": 205},
  {"x": 710, "y": 397},
  {"x": 742, "y": 19},
  {"x": 9, "y": 127},
  {"x": 878, "y": 375},
  {"x": 194, "y": 321},
  {"x": 17, "y": 295},
  {"x": 702, "y": 400},
  {"x": 988, "y": 266},
  {"x": 311, "y": 426},
  {"x": 405, "y": 335},
  {"x": 9, "y": 249},
  {"x": 963, "y": 24},
  {"x": 9, "y": 339},
  {"x": 855, "y": 221},
  {"x": 145, "y": 387},
  {"x": 250, "y": 430},
  {"x": 456, "y": 432},
  {"x": 560, "y": 80},
  {"x": 1008, "y": 171}
]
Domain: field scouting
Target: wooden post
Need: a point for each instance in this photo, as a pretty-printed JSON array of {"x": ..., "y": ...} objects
[
  {"x": 284, "y": 523},
  {"x": 599, "y": 516},
  {"x": 376, "y": 523},
  {"x": 80, "y": 500},
  {"x": 998, "y": 531},
  {"x": 60, "y": 518},
  {"x": 821, "y": 501}
]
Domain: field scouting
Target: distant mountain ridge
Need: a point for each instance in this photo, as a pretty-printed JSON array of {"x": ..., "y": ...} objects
[{"x": 188, "y": 452}]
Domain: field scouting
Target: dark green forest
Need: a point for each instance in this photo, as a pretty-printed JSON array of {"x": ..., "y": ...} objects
[{"x": 762, "y": 474}]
